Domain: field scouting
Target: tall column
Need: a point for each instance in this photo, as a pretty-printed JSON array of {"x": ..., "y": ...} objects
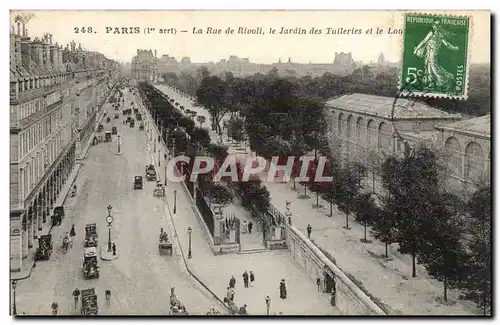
[
  {"x": 30, "y": 227},
  {"x": 35, "y": 219},
  {"x": 25, "y": 250},
  {"x": 39, "y": 212}
]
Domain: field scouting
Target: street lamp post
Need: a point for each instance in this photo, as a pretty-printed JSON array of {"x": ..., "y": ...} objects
[
  {"x": 189, "y": 250},
  {"x": 165, "y": 156},
  {"x": 109, "y": 220},
  {"x": 14, "y": 309},
  {"x": 154, "y": 145},
  {"x": 159, "y": 157},
  {"x": 118, "y": 143},
  {"x": 175, "y": 201}
]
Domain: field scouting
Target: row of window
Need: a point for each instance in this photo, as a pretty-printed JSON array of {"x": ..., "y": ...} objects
[
  {"x": 33, "y": 170},
  {"x": 35, "y": 134},
  {"x": 471, "y": 163}
]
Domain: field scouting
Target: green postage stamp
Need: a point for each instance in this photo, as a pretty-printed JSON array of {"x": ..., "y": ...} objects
[{"x": 435, "y": 52}]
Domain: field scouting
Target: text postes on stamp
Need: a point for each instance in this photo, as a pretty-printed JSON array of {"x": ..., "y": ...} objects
[{"x": 435, "y": 51}]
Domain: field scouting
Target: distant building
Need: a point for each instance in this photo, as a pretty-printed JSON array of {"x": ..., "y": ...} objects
[
  {"x": 186, "y": 60},
  {"x": 145, "y": 66},
  {"x": 381, "y": 59},
  {"x": 368, "y": 128}
]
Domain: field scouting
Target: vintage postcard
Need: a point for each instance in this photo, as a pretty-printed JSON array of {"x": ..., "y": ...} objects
[{"x": 239, "y": 163}]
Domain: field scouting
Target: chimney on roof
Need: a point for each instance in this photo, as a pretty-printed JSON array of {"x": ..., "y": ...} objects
[
  {"x": 36, "y": 51},
  {"x": 155, "y": 54},
  {"x": 46, "y": 50},
  {"x": 26, "y": 49},
  {"x": 17, "y": 48}
]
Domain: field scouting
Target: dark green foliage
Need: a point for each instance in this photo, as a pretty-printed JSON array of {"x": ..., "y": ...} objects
[{"x": 478, "y": 282}]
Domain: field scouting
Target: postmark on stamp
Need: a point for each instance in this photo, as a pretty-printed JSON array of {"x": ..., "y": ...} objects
[{"x": 435, "y": 56}]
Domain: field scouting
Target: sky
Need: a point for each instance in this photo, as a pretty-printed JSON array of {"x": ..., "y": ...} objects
[{"x": 266, "y": 48}]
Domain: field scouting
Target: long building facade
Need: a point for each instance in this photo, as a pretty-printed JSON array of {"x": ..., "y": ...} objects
[
  {"x": 367, "y": 129},
  {"x": 55, "y": 94}
]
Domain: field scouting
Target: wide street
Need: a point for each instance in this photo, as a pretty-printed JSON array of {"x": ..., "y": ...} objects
[{"x": 139, "y": 279}]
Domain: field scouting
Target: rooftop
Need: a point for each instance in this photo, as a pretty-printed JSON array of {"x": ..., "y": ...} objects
[
  {"x": 479, "y": 125},
  {"x": 400, "y": 108}
]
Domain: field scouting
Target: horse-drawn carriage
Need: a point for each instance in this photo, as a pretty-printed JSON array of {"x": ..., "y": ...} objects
[
  {"x": 159, "y": 190},
  {"x": 114, "y": 130},
  {"x": 107, "y": 136},
  {"x": 100, "y": 127},
  {"x": 141, "y": 127},
  {"x": 132, "y": 123},
  {"x": 108, "y": 119},
  {"x": 116, "y": 116},
  {"x": 164, "y": 245},
  {"x": 150, "y": 172},
  {"x": 90, "y": 266},
  {"x": 44, "y": 249},
  {"x": 89, "y": 302},
  {"x": 91, "y": 235},
  {"x": 176, "y": 306}
]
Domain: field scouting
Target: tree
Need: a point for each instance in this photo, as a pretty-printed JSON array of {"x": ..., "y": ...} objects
[
  {"x": 347, "y": 187},
  {"x": 201, "y": 119},
  {"x": 384, "y": 229},
  {"x": 477, "y": 284},
  {"x": 367, "y": 211},
  {"x": 442, "y": 252},
  {"x": 211, "y": 94},
  {"x": 412, "y": 183}
]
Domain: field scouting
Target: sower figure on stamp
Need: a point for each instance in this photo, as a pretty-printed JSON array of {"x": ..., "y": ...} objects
[{"x": 429, "y": 48}]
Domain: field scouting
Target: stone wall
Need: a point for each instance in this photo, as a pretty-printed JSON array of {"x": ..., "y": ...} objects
[{"x": 350, "y": 300}]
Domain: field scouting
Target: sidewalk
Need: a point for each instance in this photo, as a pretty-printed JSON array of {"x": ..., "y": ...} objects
[
  {"x": 388, "y": 280},
  {"x": 29, "y": 261}
]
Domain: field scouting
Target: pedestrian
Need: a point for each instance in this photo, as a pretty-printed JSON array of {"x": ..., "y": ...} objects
[
  {"x": 228, "y": 295},
  {"x": 232, "y": 282},
  {"x": 250, "y": 226},
  {"x": 54, "y": 307},
  {"x": 245, "y": 279},
  {"x": 252, "y": 278},
  {"x": 72, "y": 232},
  {"x": 114, "y": 249},
  {"x": 268, "y": 304},
  {"x": 309, "y": 229},
  {"x": 243, "y": 310},
  {"x": 282, "y": 289}
]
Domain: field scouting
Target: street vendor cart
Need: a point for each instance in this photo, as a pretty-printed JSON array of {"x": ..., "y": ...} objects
[
  {"x": 150, "y": 173},
  {"x": 44, "y": 249},
  {"x": 91, "y": 235},
  {"x": 90, "y": 265},
  {"x": 89, "y": 302}
]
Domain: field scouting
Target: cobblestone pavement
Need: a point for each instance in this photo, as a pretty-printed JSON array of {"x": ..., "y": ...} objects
[{"x": 140, "y": 280}]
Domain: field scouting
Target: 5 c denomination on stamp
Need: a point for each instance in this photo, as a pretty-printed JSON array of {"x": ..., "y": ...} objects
[{"x": 435, "y": 52}]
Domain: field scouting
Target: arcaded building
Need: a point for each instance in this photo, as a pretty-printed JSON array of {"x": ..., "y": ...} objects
[
  {"x": 367, "y": 129},
  {"x": 55, "y": 94}
]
